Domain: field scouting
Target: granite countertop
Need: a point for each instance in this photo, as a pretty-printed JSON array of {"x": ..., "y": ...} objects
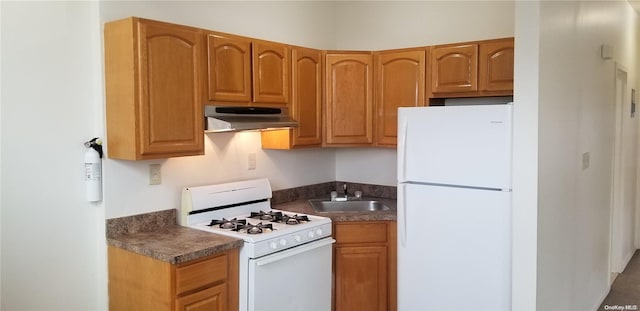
[
  {"x": 157, "y": 236},
  {"x": 303, "y": 206}
]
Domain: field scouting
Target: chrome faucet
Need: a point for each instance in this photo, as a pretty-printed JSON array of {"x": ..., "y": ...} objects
[{"x": 344, "y": 190}]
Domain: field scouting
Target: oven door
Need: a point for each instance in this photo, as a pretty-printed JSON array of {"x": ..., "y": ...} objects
[{"x": 295, "y": 279}]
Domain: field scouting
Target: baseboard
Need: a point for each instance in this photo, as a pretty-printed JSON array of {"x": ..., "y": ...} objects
[
  {"x": 628, "y": 259},
  {"x": 603, "y": 296}
]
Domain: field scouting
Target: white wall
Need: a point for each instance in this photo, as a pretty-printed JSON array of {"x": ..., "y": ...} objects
[
  {"x": 576, "y": 115},
  {"x": 53, "y": 254},
  {"x": 305, "y": 23},
  {"x": 379, "y": 25},
  {"x": 525, "y": 156},
  {"x": 367, "y": 166},
  {"x": 127, "y": 189}
]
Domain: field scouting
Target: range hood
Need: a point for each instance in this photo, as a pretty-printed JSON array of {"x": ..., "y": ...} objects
[{"x": 229, "y": 119}]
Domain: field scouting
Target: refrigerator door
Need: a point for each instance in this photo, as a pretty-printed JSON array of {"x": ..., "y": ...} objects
[
  {"x": 456, "y": 145},
  {"x": 454, "y": 248}
]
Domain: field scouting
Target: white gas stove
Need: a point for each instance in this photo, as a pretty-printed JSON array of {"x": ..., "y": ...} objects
[{"x": 275, "y": 243}]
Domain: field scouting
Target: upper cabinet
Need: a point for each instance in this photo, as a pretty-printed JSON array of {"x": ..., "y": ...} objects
[
  {"x": 159, "y": 76},
  {"x": 271, "y": 65},
  {"x": 229, "y": 68},
  {"x": 348, "y": 99},
  {"x": 454, "y": 68},
  {"x": 306, "y": 103},
  {"x": 482, "y": 68},
  {"x": 496, "y": 65},
  {"x": 400, "y": 82},
  {"x": 153, "y": 74},
  {"x": 247, "y": 72}
]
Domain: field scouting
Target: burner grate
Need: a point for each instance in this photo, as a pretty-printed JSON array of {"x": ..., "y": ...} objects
[
  {"x": 280, "y": 217},
  {"x": 234, "y": 223},
  {"x": 256, "y": 229}
]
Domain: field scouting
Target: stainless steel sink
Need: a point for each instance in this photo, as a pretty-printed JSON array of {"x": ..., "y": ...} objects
[{"x": 356, "y": 205}]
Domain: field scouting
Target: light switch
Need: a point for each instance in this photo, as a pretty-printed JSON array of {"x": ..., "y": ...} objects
[
  {"x": 251, "y": 161},
  {"x": 585, "y": 160}
]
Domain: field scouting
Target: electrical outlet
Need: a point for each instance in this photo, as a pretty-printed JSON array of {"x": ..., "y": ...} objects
[
  {"x": 251, "y": 161},
  {"x": 155, "y": 176}
]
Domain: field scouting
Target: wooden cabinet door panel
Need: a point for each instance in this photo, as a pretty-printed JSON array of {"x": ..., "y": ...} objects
[
  {"x": 229, "y": 69},
  {"x": 201, "y": 274},
  {"x": 307, "y": 96},
  {"x": 496, "y": 65},
  {"x": 210, "y": 299},
  {"x": 400, "y": 83},
  {"x": 361, "y": 278},
  {"x": 271, "y": 70},
  {"x": 349, "y": 107},
  {"x": 454, "y": 68},
  {"x": 170, "y": 72}
]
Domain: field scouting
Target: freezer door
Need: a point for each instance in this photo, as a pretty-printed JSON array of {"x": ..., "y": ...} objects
[
  {"x": 454, "y": 248},
  {"x": 456, "y": 145}
]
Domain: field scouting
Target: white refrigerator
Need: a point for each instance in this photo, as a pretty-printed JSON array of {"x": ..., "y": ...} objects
[{"x": 454, "y": 208}]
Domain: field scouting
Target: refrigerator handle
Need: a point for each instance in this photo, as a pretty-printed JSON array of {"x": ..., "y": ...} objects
[
  {"x": 402, "y": 214},
  {"x": 402, "y": 148}
]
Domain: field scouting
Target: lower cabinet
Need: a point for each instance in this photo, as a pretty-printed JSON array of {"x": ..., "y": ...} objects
[
  {"x": 211, "y": 299},
  {"x": 365, "y": 265},
  {"x": 138, "y": 282}
]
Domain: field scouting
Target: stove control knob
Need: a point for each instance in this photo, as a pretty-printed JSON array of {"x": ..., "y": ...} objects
[
  {"x": 311, "y": 234},
  {"x": 297, "y": 238},
  {"x": 319, "y": 231},
  {"x": 273, "y": 245},
  {"x": 283, "y": 242}
]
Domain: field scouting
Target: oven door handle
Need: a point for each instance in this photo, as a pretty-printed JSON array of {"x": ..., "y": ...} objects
[{"x": 295, "y": 251}]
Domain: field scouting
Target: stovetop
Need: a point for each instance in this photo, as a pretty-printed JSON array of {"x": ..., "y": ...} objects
[
  {"x": 264, "y": 236},
  {"x": 243, "y": 210},
  {"x": 264, "y": 225}
]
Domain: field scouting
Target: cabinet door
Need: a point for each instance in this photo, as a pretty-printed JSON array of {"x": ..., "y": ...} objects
[
  {"x": 307, "y": 96},
  {"x": 229, "y": 67},
  {"x": 496, "y": 65},
  {"x": 349, "y": 106},
  {"x": 400, "y": 83},
  {"x": 454, "y": 68},
  {"x": 210, "y": 299},
  {"x": 170, "y": 61},
  {"x": 271, "y": 72},
  {"x": 361, "y": 278}
]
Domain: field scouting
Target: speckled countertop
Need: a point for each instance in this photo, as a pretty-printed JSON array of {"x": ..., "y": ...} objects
[
  {"x": 303, "y": 206},
  {"x": 156, "y": 235}
]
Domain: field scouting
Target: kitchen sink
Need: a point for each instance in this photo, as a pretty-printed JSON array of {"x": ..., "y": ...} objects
[{"x": 355, "y": 205}]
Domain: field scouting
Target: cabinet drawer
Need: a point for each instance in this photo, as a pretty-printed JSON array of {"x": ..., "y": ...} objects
[
  {"x": 200, "y": 274},
  {"x": 358, "y": 232}
]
